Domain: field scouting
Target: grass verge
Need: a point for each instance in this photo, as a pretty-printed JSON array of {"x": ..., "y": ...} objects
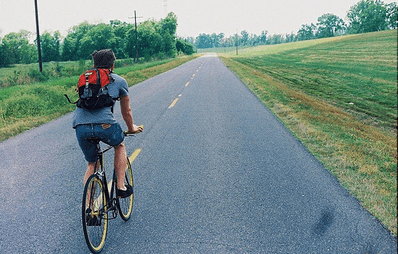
[
  {"x": 339, "y": 97},
  {"x": 23, "y": 107}
]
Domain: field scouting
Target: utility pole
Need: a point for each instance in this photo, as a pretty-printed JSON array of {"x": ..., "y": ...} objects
[
  {"x": 38, "y": 37},
  {"x": 237, "y": 41},
  {"x": 136, "y": 35}
]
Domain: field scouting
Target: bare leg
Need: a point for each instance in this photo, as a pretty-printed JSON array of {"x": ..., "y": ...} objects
[
  {"x": 120, "y": 165},
  {"x": 89, "y": 171}
]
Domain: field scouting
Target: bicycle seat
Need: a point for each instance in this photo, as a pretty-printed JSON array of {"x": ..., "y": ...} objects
[{"x": 96, "y": 140}]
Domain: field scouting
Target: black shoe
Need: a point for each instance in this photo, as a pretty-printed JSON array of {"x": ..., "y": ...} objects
[
  {"x": 92, "y": 221},
  {"x": 125, "y": 193}
]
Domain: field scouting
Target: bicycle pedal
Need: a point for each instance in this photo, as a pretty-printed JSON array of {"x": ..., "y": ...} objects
[{"x": 93, "y": 221}]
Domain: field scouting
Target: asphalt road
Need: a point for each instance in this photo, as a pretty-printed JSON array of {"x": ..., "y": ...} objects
[{"x": 218, "y": 173}]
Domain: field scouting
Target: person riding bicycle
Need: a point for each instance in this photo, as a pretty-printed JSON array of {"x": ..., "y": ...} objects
[{"x": 101, "y": 124}]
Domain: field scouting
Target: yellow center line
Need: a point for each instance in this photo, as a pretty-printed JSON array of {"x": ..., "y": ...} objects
[
  {"x": 187, "y": 84},
  {"x": 173, "y": 103},
  {"x": 134, "y": 155}
]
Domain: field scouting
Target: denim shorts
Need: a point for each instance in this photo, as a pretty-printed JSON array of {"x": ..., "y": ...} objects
[{"x": 110, "y": 134}]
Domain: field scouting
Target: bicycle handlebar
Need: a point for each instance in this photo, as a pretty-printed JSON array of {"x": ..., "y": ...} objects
[{"x": 127, "y": 133}]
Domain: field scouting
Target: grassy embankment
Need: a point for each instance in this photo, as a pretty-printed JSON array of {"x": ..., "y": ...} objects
[
  {"x": 23, "y": 107},
  {"x": 339, "y": 97}
]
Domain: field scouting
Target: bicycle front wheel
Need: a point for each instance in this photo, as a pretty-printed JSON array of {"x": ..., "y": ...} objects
[
  {"x": 94, "y": 215},
  {"x": 125, "y": 205}
]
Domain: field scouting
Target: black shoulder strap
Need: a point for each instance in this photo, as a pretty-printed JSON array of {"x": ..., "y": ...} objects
[
  {"x": 69, "y": 99},
  {"x": 98, "y": 76},
  {"x": 110, "y": 78}
]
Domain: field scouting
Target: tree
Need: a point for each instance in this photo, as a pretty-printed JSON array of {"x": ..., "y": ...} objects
[
  {"x": 367, "y": 16},
  {"x": 13, "y": 47},
  {"x": 169, "y": 44},
  {"x": 245, "y": 37},
  {"x": 154, "y": 38},
  {"x": 86, "y": 47},
  {"x": 306, "y": 32},
  {"x": 169, "y": 24},
  {"x": 254, "y": 40},
  {"x": 328, "y": 25},
  {"x": 68, "y": 49},
  {"x": 50, "y": 46},
  {"x": 263, "y": 37},
  {"x": 149, "y": 40},
  {"x": 2, "y": 54},
  {"x": 156, "y": 43},
  {"x": 392, "y": 16},
  {"x": 221, "y": 39},
  {"x": 120, "y": 30},
  {"x": 203, "y": 41},
  {"x": 215, "y": 40},
  {"x": 131, "y": 42},
  {"x": 167, "y": 29},
  {"x": 93, "y": 37},
  {"x": 184, "y": 47},
  {"x": 290, "y": 37},
  {"x": 190, "y": 40},
  {"x": 71, "y": 49},
  {"x": 277, "y": 39},
  {"x": 102, "y": 37}
]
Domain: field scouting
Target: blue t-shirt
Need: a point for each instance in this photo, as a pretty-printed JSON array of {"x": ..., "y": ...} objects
[{"x": 117, "y": 89}]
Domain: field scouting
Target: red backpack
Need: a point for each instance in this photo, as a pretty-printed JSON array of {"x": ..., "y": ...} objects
[{"x": 93, "y": 89}]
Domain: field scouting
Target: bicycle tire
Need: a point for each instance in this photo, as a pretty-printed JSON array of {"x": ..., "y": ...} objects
[
  {"x": 94, "y": 215},
  {"x": 125, "y": 205}
]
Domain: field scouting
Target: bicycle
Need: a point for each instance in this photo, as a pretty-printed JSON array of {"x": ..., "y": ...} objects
[{"x": 100, "y": 202}]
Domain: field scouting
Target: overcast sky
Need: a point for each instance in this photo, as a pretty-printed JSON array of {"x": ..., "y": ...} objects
[{"x": 194, "y": 17}]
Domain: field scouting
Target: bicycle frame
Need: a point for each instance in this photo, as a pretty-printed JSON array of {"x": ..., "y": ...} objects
[
  {"x": 99, "y": 171},
  {"x": 100, "y": 206}
]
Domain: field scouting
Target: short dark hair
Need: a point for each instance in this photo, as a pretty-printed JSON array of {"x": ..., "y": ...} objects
[{"x": 103, "y": 58}]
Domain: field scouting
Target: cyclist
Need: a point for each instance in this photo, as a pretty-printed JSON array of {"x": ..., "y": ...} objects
[{"x": 101, "y": 124}]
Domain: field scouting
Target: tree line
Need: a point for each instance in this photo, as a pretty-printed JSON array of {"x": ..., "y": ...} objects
[
  {"x": 153, "y": 38},
  {"x": 157, "y": 39},
  {"x": 365, "y": 16}
]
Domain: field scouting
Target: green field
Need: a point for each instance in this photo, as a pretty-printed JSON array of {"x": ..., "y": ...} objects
[{"x": 339, "y": 97}]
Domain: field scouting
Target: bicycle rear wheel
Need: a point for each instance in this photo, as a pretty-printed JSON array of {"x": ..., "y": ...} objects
[
  {"x": 125, "y": 205},
  {"x": 94, "y": 216}
]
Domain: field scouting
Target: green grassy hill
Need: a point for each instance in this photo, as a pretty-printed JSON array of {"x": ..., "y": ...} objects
[{"x": 339, "y": 97}]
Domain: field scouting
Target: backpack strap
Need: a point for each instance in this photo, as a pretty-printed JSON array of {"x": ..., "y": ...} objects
[
  {"x": 111, "y": 79},
  {"x": 69, "y": 99},
  {"x": 98, "y": 76},
  {"x": 87, "y": 76}
]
